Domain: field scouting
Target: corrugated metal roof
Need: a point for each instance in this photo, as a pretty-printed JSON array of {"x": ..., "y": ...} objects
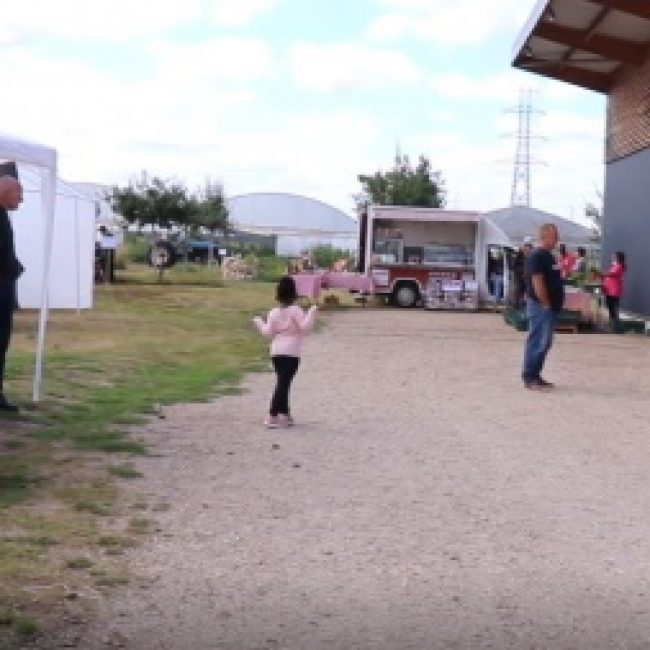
[{"x": 519, "y": 222}]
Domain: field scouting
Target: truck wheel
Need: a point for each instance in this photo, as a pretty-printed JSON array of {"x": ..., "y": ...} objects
[{"x": 406, "y": 295}]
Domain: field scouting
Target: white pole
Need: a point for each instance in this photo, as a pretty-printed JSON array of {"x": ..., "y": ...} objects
[
  {"x": 78, "y": 254},
  {"x": 48, "y": 203}
]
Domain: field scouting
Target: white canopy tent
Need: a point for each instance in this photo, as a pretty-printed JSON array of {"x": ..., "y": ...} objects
[
  {"x": 71, "y": 275},
  {"x": 45, "y": 159}
]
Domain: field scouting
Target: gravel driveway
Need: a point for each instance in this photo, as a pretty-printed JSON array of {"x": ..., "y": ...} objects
[{"x": 425, "y": 501}]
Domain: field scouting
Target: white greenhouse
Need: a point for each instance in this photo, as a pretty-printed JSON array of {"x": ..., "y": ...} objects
[{"x": 298, "y": 223}]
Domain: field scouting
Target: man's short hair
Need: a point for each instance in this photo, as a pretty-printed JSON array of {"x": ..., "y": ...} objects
[
  {"x": 9, "y": 169},
  {"x": 547, "y": 227}
]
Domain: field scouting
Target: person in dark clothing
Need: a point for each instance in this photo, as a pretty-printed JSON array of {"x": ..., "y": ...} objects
[
  {"x": 11, "y": 196},
  {"x": 518, "y": 268},
  {"x": 545, "y": 299}
]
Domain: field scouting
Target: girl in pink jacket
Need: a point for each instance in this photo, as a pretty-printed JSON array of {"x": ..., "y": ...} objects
[{"x": 286, "y": 325}]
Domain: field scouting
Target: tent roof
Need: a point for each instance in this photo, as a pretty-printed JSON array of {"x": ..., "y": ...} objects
[
  {"x": 29, "y": 153},
  {"x": 518, "y": 222},
  {"x": 585, "y": 42}
]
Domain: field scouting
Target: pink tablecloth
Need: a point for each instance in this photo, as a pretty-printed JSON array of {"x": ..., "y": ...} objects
[
  {"x": 308, "y": 285},
  {"x": 350, "y": 281},
  {"x": 580, "y": 301}
]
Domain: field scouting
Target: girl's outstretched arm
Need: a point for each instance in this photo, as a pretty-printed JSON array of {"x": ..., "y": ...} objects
[
  {"x": 263, "y": 326},
  {"x": 305, "y": 321}
]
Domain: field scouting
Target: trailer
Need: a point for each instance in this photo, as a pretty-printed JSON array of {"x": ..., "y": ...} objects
[{"x": 436, "y": 258}]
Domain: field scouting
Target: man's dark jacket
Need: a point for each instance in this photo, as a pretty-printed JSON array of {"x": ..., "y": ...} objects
[{"x": 10, "y": 267}]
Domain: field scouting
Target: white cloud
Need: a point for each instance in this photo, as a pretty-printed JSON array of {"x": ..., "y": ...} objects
[
  {"x": 187, "y": 126},
  {"x": 310, "y": 154},
  {"x": 99, "y": 20},
  {"x": 99, "y": 123},
  {"x": 231, "y": 59},
  {"x": 339, "y": 66},
  {"x": 504, "y": 87},
  {"x": 562, "y": 124},
  {"x": 442, "y": 21},
  {"x": 501, "y": 87},
  {"x": 238, "y": 13}
]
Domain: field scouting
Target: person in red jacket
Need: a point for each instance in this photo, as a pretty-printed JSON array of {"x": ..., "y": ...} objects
[
  {"x": 567, "y": 262},
  {"x": 613, "y": 286}
]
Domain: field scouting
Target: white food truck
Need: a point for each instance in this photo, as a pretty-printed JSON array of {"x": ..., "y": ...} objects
[{"x": 434, "y": 257}]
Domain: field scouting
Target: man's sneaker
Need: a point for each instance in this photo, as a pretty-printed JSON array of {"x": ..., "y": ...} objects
[
  {"x": 538, "y": 384},
  {"x": 7, "y": 407},
  {"x": 272, "y": 422}
]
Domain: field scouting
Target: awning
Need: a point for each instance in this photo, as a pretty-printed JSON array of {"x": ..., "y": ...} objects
[{"x": 587, "y": 43}]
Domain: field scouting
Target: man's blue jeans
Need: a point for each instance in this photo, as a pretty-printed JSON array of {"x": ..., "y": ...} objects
[{"x": 541, "y": 327}]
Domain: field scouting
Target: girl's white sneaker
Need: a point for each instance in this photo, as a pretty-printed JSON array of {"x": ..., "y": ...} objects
[{"x": 272, "y": 422}]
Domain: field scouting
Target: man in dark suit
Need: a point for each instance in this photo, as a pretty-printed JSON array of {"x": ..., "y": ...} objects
[{"x": 11, "y": 196}]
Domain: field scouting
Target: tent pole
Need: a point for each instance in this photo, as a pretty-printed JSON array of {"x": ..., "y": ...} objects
[
  {"x": 76, "y": 244},
  {"x": 48, "y": 198}
]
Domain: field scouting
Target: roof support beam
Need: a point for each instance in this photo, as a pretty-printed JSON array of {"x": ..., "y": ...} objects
[
  {"x": 639, "y": 8},
  {"x": 610, "y": 48},
  {"x": 596, "y": 81}
]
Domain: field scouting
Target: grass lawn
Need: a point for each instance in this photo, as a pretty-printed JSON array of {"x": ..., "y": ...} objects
[{"x": 63, "y": 519}]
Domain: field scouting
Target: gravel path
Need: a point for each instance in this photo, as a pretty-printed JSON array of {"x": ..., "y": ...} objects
[{"x": 426, "y": 500}]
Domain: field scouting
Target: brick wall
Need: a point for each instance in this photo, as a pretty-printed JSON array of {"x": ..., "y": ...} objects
[{"x": 628, "y": 120}]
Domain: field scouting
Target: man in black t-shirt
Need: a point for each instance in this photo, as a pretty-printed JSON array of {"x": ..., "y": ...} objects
[
  {"x": 11, "y": 196},
  {"x": 545, "y": 291}
]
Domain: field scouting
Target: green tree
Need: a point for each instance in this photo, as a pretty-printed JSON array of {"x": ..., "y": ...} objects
[
  {"x": 594, "y": 212},
  {"x": 154, "y": 202},
  {"x": 403, "y": 184},
  {"x": 212, "y": 210}
]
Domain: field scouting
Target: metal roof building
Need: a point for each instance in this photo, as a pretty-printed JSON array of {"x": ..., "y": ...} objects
[
  {"x": 518, "y": 222},
  {"x": 604, "y": 46}
]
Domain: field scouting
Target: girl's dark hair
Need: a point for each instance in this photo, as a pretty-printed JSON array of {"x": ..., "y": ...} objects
[
  {"x": 582, "y": 251},
  {"x": 286, "y": 291},
  {"x": 620, "y": 258}
]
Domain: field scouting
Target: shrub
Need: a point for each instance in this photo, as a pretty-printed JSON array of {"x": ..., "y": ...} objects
[
  {"x": 325, "y": 256},
  {"x": 135, "y": 249},
  {"x": 271, "y": 268}
]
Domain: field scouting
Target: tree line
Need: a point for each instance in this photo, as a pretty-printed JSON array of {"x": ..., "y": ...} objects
[
  {"x": 152, "y": 201},
  {"x": 160, "y": 203},
  {"x": 155, "y": 202}
]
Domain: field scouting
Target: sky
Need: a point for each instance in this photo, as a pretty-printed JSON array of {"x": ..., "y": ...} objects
[{"x": 294, "y": 96}]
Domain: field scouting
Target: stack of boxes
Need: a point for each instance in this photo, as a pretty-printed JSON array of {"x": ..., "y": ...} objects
[{"x": 446, "y": 293}]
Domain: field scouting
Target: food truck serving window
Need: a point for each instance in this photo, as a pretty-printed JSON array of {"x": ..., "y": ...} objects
[{"x": 448, "y": 255}]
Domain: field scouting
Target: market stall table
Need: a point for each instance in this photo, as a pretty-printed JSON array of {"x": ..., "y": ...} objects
[
  {"x": 350, "y": 281},
  {"x": 308, "y": 285},
  {"x": 580, "y": 301}
]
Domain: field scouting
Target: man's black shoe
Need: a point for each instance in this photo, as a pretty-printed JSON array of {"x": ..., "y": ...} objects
[{"x": 7, "y": 407}]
